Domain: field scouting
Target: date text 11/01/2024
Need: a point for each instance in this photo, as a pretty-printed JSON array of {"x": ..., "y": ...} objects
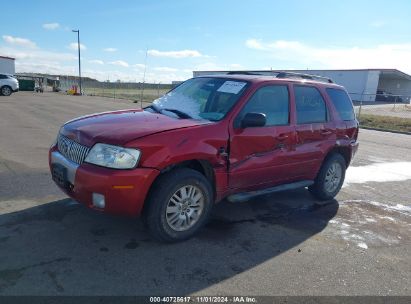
[{"x": 204, "y": 299}]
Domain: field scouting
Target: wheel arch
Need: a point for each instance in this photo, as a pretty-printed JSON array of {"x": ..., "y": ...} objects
[
  {"x": 345, "y": 152},
  {"x": 202, "y": 166}
]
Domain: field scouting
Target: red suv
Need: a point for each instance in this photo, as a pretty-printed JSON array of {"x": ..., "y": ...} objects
[{"x": 210, "y": 138}]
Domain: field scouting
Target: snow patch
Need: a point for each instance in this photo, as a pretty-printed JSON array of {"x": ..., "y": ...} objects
[
  {"x": 362, "y": 245},
  {"x": 387, "y": 218},
  {"x": 378, "y": 172},
  {"x": 406, "y": 210},
  {"x": 371, "y": 224}
]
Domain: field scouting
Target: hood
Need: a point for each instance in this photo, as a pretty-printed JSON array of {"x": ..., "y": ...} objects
[{"x": 120, "y": 127}]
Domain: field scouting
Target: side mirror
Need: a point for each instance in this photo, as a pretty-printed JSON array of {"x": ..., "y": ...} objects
[{"x": 253, "y": 120}]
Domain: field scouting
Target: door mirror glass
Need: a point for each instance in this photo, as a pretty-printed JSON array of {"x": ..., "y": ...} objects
[{"x": 253, "y": 120}]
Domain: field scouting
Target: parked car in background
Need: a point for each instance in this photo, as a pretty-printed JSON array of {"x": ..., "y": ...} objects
[
  {"x": 8, "y": 84},
  {"x": 387, "y": 97},
  {"x": 208, "y": 139}
]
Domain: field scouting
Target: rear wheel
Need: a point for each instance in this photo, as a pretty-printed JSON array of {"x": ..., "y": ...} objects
[
  {"x": 6, "y": 91},
  {"x": 179, "y": 205},
  {"x": 330, "y": 178}
]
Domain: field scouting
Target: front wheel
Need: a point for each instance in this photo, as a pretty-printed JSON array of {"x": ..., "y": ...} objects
[
  {"x": 330, "y": 178},
  {"x": 179, "y": 205},
  {"x": 6, "y": 91}
]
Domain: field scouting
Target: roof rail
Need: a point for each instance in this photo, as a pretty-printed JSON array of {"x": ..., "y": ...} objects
[
  {"x": 303, "y": 76},
  {"x": 283, "y": 74},
  {"x": 241, "y": 73}
]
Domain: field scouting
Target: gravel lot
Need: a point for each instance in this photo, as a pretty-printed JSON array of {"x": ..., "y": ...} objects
[{"x": 282, "y": 244}]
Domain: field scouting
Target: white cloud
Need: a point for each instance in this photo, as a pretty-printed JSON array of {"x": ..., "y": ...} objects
[
  {"x": 139, "y": 66},
  {"x": 55, "y": 68},
  {"x": 279, "y": 44},
  {"x": 175, "y": 54},
  {"x": 19, "y": 41},
  {"x": 165, "y": 69},
  {"x": 110, "y": 50},
  {"x": 380, "y": 56},
  {"x": 254, "y": 44},
  {"x": 51, "y": 26},
  {"x": 150, "y": 77},
  {"x": 74, "y": 46},
  {"x": 120, "y": 63},
  {"x": 37, "y": 60},
  {"x": 96, "y": 61},
  {"x": 36, "y": 55}
]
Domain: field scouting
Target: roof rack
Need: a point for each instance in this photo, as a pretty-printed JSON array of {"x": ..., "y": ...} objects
[
  {"x": 242, "y": 73},
  {"x": 284, "y": 74},
  {"x": 303, "y": 76}
]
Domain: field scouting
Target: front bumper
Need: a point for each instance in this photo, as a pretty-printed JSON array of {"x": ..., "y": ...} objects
[{"x": 124, "y": 191}]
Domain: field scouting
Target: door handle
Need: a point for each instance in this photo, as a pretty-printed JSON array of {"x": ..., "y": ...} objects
[
  {"x": 326, "y": 132},
  {"x": 282, "y": 137}
]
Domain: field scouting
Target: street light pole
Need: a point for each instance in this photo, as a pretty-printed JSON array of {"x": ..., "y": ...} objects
[{"x": 79, "y": 56}]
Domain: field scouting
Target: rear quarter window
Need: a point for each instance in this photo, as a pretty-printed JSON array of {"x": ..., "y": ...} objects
[{"x": 342, "y": 103}]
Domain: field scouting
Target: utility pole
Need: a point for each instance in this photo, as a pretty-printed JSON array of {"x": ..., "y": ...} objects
[{"x": 79, "y": 58}]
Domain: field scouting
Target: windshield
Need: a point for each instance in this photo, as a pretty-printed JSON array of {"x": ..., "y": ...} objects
[{"x": 201, "y": 98}]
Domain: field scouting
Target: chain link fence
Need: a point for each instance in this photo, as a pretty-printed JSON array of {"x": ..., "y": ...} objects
[
  {"x": 135, "y": 91},
  {"x": 382, "y": 104}
]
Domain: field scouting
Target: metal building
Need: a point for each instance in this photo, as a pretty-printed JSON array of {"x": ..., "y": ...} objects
[
  {"x": 7, "y": 65},
  {"x": 362, "y": 84}
]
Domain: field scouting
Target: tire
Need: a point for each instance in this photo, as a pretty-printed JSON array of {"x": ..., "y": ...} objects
[
  {"x": 330, "y": 178},
  {"x": 188, "y": 197},
  {"x": 6, "y": 90}
]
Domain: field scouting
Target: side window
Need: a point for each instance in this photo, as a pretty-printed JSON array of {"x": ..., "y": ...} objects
[
  {"x": 310, "y": 105},
  {"x": 273, "y": 101},
  {"x": 3, "y": 76},
  {"x": 342, "y": 103}
]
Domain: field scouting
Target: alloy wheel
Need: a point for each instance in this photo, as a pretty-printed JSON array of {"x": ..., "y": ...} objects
[
  {"x": 333, "y": 177},
  {"x": 6, "y": 91},
  {"x": 185, "y": 208}
]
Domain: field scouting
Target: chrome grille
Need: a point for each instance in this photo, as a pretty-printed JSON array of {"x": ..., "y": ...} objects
[{"x": 71, "y": 149}]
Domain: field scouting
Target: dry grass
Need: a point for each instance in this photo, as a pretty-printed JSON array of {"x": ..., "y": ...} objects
[
  {"x": 131, "y": 94},
  {"x": 386, "y": 122}
]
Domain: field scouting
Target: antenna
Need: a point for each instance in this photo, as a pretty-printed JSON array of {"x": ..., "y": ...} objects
[{"x": 144, "y": 79}]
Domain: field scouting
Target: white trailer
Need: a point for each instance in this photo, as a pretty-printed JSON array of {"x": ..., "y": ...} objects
[{"x": 7, "y": 65}]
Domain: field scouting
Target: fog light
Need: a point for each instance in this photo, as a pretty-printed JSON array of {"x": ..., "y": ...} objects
[{"x": 98, "y": 200}]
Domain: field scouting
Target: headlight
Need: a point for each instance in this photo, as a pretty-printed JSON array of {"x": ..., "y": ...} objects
[{"x": 113, "y": 156}]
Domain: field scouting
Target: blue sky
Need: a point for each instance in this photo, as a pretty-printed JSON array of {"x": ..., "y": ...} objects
[{"x": 183, "y": 35}]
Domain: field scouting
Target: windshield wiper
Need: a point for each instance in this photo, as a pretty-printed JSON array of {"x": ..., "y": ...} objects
[
  {"x": 154, "y": 107},
  {"x": 181, "y": 114}
]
